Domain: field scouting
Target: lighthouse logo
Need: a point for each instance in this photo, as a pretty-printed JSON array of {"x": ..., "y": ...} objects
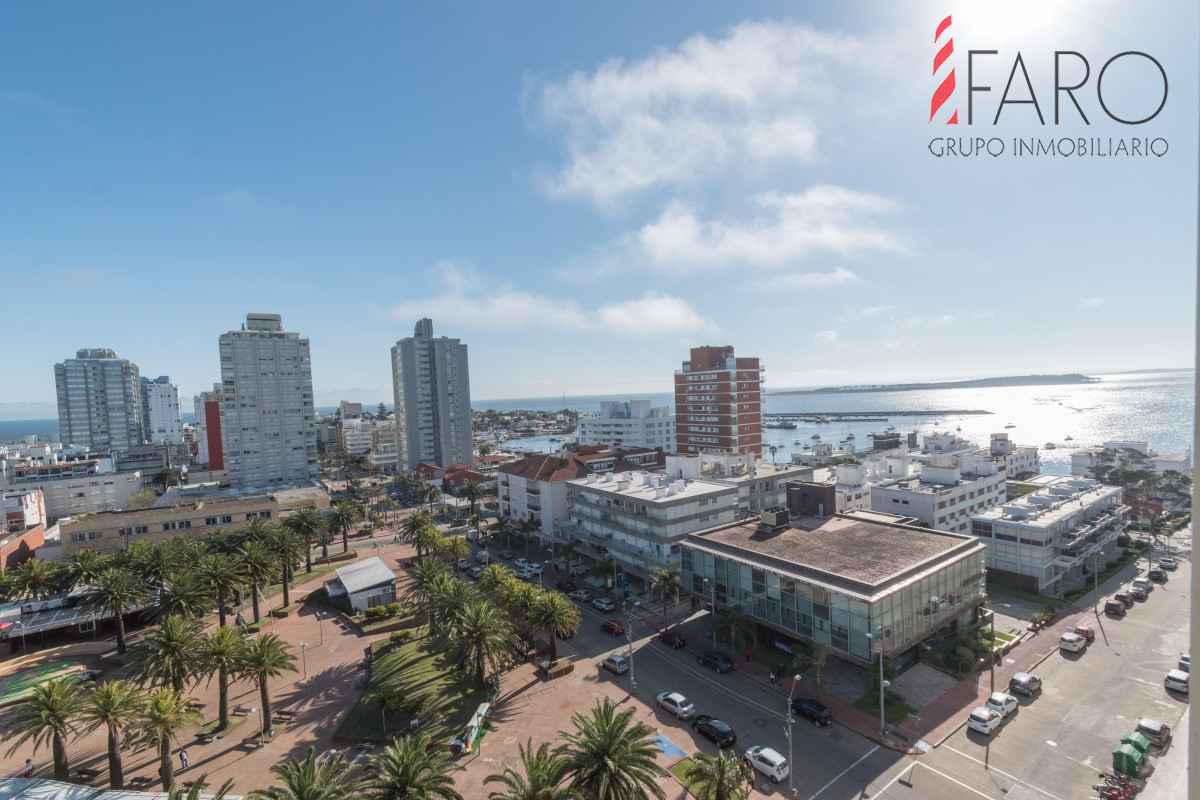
[{"x": 946, "y": 88}]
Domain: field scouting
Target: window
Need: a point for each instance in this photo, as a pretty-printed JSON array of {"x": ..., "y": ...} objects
[
  {"x": 178, "y": 525},
  {"x": 222, "y": 520},
  {"x": 135, "y": 530},
  {"x": 257, "y": 515}
]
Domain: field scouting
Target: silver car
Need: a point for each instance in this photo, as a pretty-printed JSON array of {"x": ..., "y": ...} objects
[{"x": 677, "y": 704}]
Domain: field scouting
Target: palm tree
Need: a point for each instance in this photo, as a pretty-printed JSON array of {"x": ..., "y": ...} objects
[
  {"x": 221, "y": 541},
  {"x": 484, "y": 637},
  {"x": 553, "y": 613},
  {"x": 35, "y": 578},
  {"x": 345, "y": 514},
  {"x": 610, "y": 757},
  {"x": 429, "y": 493},
  {"x": 306, "y": 523},
  {"x": 408, "y": 770},
  {"x": 168, "y": 655},
  {"x": 567, "y": 551},
  {"x": 542, "y": 775},
  {"x": 324, "y": 538},
  {"x": 220, "y": 653},
  {"x": 429, "y": 541},
  {"x": 114, "y": 706},
  {"x": 718, "y": 777},
  {"x": 266, "y": 656},
  {"x": 528, "y": 529},
  {"x": 328, "y": 779},
  {"x": 449, "y": 599},
  {"x": 85, "y": 567},
  {"x": 48, "y": 716},
  {"x": 737, "y": 625},
  {"x": 196, "y": 790},
  {"x": 183, "y": 594},
  {"x": 258, "y": 564},
  {"x": 494, "y": 579},
  {"x": 414, "y": 523},
  {"x": 286, "y": 546},
  {"x": 165, "y": 714},
  {"x": 661, "y": 584},
  {"x": 425, "y": 574},
  {"x": 164, "y": 478},
  {"x": 456, "y": 547},
  {"x": 256, "y": 529},
  {"x": 472, "y": 492},
  {"x": 223, "y": 574},
  {"x": 152, "y": 562},
  {"x": 774, "y": 449},
  {"x": 519, "y": 600},
  {"x": 113, "y": 593}
]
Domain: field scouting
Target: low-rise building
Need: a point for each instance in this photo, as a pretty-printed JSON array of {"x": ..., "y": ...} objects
[
  {"x": 362, "y": 585},
  {"x": 1048, "y": 540},
  {"x": 760, "y": 484},
  {"x": 24, "y": 525},
  {"x": 942, "y": 496},
  {"x": 73, "y": 487},
  {"x": 856, "y": 583},
  {"x": 630, "y": 423}
]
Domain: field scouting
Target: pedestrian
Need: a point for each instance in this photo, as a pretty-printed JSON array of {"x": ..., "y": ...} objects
[
  {"x": 255, "y": 681},
  {"x": 183, "y": 758},
  {"x": 747, "y": 655},
  {"x": 28, "y": 773}
]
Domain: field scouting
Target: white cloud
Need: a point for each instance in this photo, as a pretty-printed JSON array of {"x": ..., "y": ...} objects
[
  {"x": 683, "y": 116},
  {"x": 468, "y": 303},
  {"x": 826, "y": 337},
  {"x": 1091, "y": 302}
]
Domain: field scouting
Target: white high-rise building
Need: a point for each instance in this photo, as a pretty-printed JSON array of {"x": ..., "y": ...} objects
[
  {"x": 630, "y": 423},
  {"x": 433, "y": 399},
  {"x": 160, "y": 411},
  {"x": 268, "y": 427},
  {"x": 99, "y": 400}
]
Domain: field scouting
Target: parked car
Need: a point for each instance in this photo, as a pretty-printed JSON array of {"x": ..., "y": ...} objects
[
  {"x": 580, "y": 594},
  {"x": 1123, "y": 597},
  {"x": 713, "y": 729},
  {"x": 1168, "y": 563},
  {"x": 1003, "y": 703},
  {"x": 1085, "y": 631},
  {"x": 612, "y": 626},
  {"x": 1185, "y": 662},
  {"x": 604, "y": 604},
  {"x": 812, "y": 710},
  {"x": 616, "y": 664},
  {"x": 1176, "y": 680},
  {"x": 768, "y": 762},
  {"x": 565, "y": 586},
  {"x": 1158, "y": 575},
  {"x": 506, "y": 554},
  {"x": 1158, "y": 733},
  {"x": 475, "y": 572},
  {"x": 1024, "y": 683},
  {"x": 1138, "y": 592},
  {"x": 1114, "y": 608},
  {"x": 1072, "y": 643},
  {"x": 527, "y": 575},
  {"x": 715, "y": 659},
  {"x": 984, "y": 720},
  {"x": 464, "y": 563},
  {"x": 677, "y": 704},
  {"x": 1143, "y": 583},
  {"x": 521, "y": 563},
  {"x": 673, "y": 638}
]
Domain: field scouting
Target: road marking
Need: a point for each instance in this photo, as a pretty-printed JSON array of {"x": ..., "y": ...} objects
[
  {"x": 990, "y": 768},
  {"x": 933, "y": 770},
  {"x": 838, "y": 777}
]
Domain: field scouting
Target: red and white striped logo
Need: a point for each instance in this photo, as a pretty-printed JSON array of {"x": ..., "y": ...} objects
[{"x": 946, "y": 88}]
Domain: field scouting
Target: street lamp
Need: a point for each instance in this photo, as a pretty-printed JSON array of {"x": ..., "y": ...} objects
[
  {"x": 791, "y": 718},
  {"x": 714, "y": 611},
  {"x": 1096, "y": 583},
  {"x": 992, "y": 652},
  {"x": 321, "y": 625},
  {"x": 629, "y": 639},
  {"x": 303, "y": 661},
  {"x": 883, "y": 685}
]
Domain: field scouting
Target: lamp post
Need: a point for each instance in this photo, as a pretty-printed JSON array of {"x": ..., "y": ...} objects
[
  {"x": 1096, "y": 583},
  {"x": 883, "y": 685},
  {"x": 714, "y": 611},
  {"x": 321, "y": 625},
  {"x": 303, "y": 661},
  {"x": 629, "y": 639},
  {"x": 992, "y": 652},
  {"x": 791, "y": 718}
]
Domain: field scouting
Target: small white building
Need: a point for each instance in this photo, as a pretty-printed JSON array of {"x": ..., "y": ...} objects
[
  {"x": 362, "y": 585},
  {"x": 631, "y": 423}
]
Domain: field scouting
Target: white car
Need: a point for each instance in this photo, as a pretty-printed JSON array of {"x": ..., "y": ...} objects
[
  {"x": 604, "y": 604},
  {"x": 579, "y": 594},
  {"x": 1177, "y": 680},
  {"x": 677, "y": 704},
  {"x": 984, "y": 720},
  {"x": 464, "y": 563},
  {"x": 534, "y": 567},
  {"x": 768, "y": 762},
  {"x": 527, "y": 575},
  {"x": 1003, "y": 703},
  {"x": 1072, "y": 642},
  {"x": 520, "y": 563}
]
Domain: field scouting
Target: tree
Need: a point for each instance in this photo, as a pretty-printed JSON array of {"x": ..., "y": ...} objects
[
  {"x": 773, "y": 450},
  {"x": 428, "y": 541},
  {"x": 220, "y": 654},
  {"x": 310, "y": 779},
  {"x": 611, "y": 757},
  {"x": 35, "y": 578},
  {"x": 168, "y": 655},
  {"x": 266, "y": 656},
  {"x": 662, "y": 584},
  {"x": 164, "y": 478},
  {"x": 258, "y": 564},
  {"x": 540, "y": 775},
  {"x": 166, "y": 713},
  {"x": 408, "y": 770},
  {"x": 734, "y": 622},
  {"x": 483, "y": 638},
  {"x": 472, "y": 492},
  {"x": 346, "y": 513},
  {"x": 494, "y": 580},
  {"x": 818, "y": 653},
  {"x": 425, "y": 575},
  {"x": 449, "y": 599},
  {"x": 427, "y": 492},
  {"x": 286, "y": 547},
  {"x": 567, "y": 551},
  {"x": 183, "y": 595},
  {"x": 48, "y": 717},
  {"x": 307, "y": 524},
  {"x": 85, "y": 567},
  {"x": 224, "y": 577},
  {"x": 553, "y": 613},
  {"x": 113, "y": 593},
  {"x": 456, "y": 547},
  {"x": 196, "y": 790},
  {"x": 114, "y": 706},
  {"x": 718, "y": 777}
]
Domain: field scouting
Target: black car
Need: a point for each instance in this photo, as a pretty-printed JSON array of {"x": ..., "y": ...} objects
[
  {"x": 812, "y": 710},
  {"x": 715, "y": 730},
  {"x": 506, "y": 555},
  {"x": 715, "y": 659},
  {"x": 673, "y": 638},
  {"x": 1157, "y": 575},
  {"x": 565, "y": 586}
]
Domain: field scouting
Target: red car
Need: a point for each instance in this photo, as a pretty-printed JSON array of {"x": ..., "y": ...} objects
[
  {"x": 612, "y": 626},
  {"x": 565, "y": 586},
  {"x": 672, "y": 638},
  {"x": 1085, "y": 631}
]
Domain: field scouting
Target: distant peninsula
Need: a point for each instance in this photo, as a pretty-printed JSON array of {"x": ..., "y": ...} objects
[{"x": 980, "y": 383}]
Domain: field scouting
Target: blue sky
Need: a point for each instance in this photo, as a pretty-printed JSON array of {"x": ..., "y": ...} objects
[{"x": 581, "y": 192}]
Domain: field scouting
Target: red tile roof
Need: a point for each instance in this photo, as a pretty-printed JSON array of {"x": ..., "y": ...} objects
[{"x": 552, "y": 469}]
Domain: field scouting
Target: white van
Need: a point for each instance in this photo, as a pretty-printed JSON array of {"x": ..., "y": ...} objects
[{"x": 616, "y": 664}]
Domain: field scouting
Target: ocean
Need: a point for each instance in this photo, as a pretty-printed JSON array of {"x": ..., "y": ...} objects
[{"x": 1155, "y": 407}]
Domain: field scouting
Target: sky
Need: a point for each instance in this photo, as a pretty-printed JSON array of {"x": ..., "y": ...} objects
[{"x": 583, "y": 192}]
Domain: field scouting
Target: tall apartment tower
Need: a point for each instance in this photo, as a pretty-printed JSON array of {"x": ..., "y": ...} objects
[
  {"x": 268, "y": 430},
  {"x": 207, "y": 406},
  {"x": 160, "y": 411},
  {"x": 99, "y": 400},
  {"x": 433, "y": 399},
  {"x": 718, "y": 403}
]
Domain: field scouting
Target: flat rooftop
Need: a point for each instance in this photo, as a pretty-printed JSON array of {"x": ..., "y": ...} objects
[
  {"x": 636, "y": 486},
  {"x": 839, "y": 549}
]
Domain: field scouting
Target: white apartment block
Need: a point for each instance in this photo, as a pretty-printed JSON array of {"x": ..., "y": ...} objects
[
  {"x": 760, "y": 484},
  {"x": 1083, "y": 461},
  {"x": 630, "y": 423},
  {"x": 639, "y": 519},
  {"x": 71, "y": 487},
  {"x": 1047, "y": 539},
  {"x": 99, "y": 400},
  {"x": 160, "y": 411},
  {"x": 357, "y": 435},
  {"x": 348, "y": 410},
  {"x": 432, "y": 391},
  {"x": 942, "y": 496},
  {"x": 267, "y": 417}
]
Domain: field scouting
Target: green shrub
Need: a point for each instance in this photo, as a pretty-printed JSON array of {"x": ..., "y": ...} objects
[
  {"x": 394, "y": 608},
  {"x": 416, "y": 705},
  {"x": 376, "y": 612},
  {"x": 393, "y": 700},
  {"x": 400, "y": 637}
]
